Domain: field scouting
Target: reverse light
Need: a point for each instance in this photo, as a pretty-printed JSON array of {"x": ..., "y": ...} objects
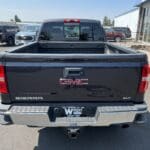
[
  {"x": 145, "y": 79},
  {"x": 3, "y": 84}
]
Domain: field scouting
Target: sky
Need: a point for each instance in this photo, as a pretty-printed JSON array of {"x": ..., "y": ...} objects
[{"x": 39, "y": 10}]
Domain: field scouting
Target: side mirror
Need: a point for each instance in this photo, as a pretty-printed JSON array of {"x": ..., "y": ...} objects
[{"x": 42, "y": 37}]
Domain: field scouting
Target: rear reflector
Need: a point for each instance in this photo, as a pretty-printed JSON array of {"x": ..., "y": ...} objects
[
  {"x": 3, "y": 85},
  {"x": 72, "y": 21},
  {"x": 145, "y": 79}
]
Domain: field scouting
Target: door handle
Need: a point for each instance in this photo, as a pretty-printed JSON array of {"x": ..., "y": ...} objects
[{"x": 73, "y": 72}]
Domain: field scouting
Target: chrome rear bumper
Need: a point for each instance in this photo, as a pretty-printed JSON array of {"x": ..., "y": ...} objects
[{"x": 38, "y": 116}]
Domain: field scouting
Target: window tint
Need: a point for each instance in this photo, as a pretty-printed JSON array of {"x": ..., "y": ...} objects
[
  {"x": 11, "y": 28},
  {"x": 117, "y": 29},
  {"x": 71, "y": 31},
  {"x": 122, "y": 29},
  {"x": 56, "y": 32},
  {"x": 109, "y": 30},
  {"x": 86, "y": 32},
  {"x": 52, "y": 32},
  {"x": 98, "y": 32}
]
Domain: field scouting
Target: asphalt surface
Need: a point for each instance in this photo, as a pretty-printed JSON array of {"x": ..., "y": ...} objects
[{"x": 111, "y": 138}]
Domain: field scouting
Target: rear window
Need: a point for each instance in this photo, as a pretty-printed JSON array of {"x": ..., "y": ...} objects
[
  {"x": 122, "y": 29},
  {"x": 71, "y": 31},
  {"x": 86, "y": 32},
  {"x": 109, "y": 30},
  {"x": 52, "y": 32},
  {"x": 11, "y": 29}
]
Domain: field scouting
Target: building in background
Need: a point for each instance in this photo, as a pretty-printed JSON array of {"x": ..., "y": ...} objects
[
  {"x": 138, "y": 20},
  {"x": 128, "y": 19},
  {"x": 143, "y": 32}
]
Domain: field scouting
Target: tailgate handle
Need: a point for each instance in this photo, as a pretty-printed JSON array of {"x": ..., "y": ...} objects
[{"x": 73, "y": 72}]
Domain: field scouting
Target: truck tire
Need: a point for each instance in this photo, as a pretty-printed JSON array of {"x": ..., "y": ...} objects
[
  {"x": 118, "y": 39},
  {"x": 10, "y": 41}
]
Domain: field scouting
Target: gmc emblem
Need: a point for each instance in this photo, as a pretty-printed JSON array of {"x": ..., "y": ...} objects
[{"x": 78, "y": 82}]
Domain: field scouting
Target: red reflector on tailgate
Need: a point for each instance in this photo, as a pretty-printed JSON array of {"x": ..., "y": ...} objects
[
  {"x": 146, "y": 71},
  {"x": 144, "y": 81},
  {"x": 3, "y": 85}
]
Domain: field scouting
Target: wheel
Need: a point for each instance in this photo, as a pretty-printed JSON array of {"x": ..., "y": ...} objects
[
  {"x": 10, "y": 41},
  {"x": 118, "y": 39}
]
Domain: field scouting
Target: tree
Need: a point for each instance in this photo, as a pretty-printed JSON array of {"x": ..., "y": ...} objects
[
  {"x": 17, "y": 19},
  {"x": 107, "y": 21},
  {"x": 113, "y": 23}
]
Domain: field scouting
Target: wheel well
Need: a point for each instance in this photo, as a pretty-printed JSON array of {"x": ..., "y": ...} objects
[
  {"x": 118, "y": 37},
  {"x": 10, "y": 38}
]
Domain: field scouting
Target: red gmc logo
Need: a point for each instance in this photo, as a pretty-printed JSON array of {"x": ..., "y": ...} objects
[{"x": 78, "y": 82}]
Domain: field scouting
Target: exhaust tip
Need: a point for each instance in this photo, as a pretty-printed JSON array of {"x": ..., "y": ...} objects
[{"x": 140, "y": 119}]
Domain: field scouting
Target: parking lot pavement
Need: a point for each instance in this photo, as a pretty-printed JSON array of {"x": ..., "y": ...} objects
[
  {"x": 113, "y": 138},
  {"x": 5, "y": 47}
]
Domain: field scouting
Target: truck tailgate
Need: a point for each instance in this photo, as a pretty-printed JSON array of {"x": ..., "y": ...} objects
[{"x": 61, "y": 80}]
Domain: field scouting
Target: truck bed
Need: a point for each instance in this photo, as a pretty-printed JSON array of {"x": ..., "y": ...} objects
[
  {"x": 62, "y": 47},
  {"x": 34, "y": 73}
]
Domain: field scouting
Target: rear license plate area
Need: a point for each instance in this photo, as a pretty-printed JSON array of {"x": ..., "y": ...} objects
[{"x": 70, "y": 111}]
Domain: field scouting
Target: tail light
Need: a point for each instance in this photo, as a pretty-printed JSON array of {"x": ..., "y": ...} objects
[
  {"x": 145, "y": 79},
  {"x": 72, "y": 21},
  {"x": 3, "y": 84}
]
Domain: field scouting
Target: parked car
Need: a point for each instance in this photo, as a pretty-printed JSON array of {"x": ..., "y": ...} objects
[
  {"x": 71, "y": 77},
  {"x": 7, "y": 34},
  {"x": 27, "y": 34},
  {"x": 124, "y": 30},
  {"x": 112, "y": 35}
]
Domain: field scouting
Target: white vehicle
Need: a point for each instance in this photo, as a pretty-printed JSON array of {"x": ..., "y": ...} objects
[{"x": 27, "y": 34}]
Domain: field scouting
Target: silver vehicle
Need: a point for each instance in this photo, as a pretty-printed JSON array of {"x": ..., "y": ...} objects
[{"x": 27, "y": 34}]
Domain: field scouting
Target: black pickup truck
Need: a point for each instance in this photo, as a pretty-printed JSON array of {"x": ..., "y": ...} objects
[{"x": 71, "y": 77}]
